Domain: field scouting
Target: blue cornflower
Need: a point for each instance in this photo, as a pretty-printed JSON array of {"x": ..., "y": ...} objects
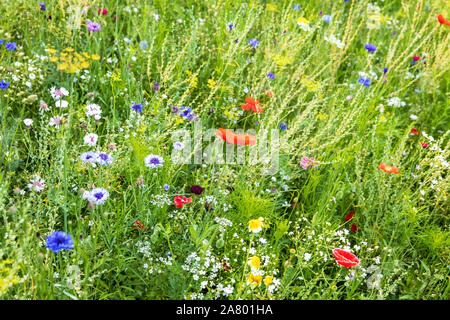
[
  {"x": 1, "y": 42},
  {"x": 137, "y": 107},
  {"x": 192, "y": 117},
  {"x": 42, "y": 4},
  {"x": 10, "y": 46},
  {"x": 187, "y": 113},
  {"x": 166, "y": 187},
  {"x": 370, "y": 47},
  {"x": 174, "y": 109},
  {"x": 156, "y": 86},
  {"x": 104, "y": 159},
  {"x": 283, "y": 126},
  {"x": 4, "y": 84},
  {"x": 153, "y": 161},
  {"x": 296, "y": 7},
  {"x": 230, "y": 26},
  {"x": 98, "y": 195},
  {"x": 270, "y": 75},
  {"x": 385, "y": 70},
  {"x": 253, "y": 42},
  {"x": 89, "y": 157},
  {"x": 364, "y": 81},
  {"x": 143, "y": 45},
  {"x": 59, "y": 240},
  {"x": 326, "y": 18}
]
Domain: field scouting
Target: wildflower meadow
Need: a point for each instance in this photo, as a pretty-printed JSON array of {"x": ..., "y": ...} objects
[{"x": 224, "y": 150}]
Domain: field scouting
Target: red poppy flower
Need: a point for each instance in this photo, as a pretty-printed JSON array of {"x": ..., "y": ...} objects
[
  {"x": 268, "y": 93},
  {"x": 442, "y": 20},
  {"x": 355, "y": 228},
  {"x": 253, "y": 104},
  {"x": 349, "y": 216},
  {"x": 414, "y": 131},
  {"x": 179, "y": 200},
  {"x": 387, "y": 168},
  {"x": 116, "y": 18},
  {"x": 236, "y": 138},
  {"x": 102, "y": 11},
  {"x": 345, "y": 258},
  {"x": 416, "y": 58},
  {"x": 137, "y": 225},
  {"x": 424, "y": 144}
]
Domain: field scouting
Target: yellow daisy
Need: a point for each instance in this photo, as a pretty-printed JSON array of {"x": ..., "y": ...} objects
[
  {"x": 254, "y": 262},
  {"x": 254, "y": 279}
]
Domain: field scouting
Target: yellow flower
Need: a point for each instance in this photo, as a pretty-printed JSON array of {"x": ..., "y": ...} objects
[
  {"x": 95, "y": 57},
  {"x": 254, "y": 279},
  {"x": 84, "y": 65},
  {"x": 179, "y": 120},
  {"x": 268, "y": 280},
  {"x": 7, "y": 276},
  {"x": 73, "y": 68},
  {"x": 271, "y": 7},
  {"x": 254, "y": 262},
  {"x": 62, "y": 66},
  {"x": 302, "y": 20},
  {"x": 51, "y": 51},
  {"x": 211, "y": 83},
  {"x": 310, "y": 85},
  {"x": 282, "y": 60},
  {"x": 255, "y": 225},
  {"x": 53, "y": 59},
  {"x": 68, "y": 49}
]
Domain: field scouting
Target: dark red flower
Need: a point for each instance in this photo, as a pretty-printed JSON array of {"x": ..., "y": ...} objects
[
  {"x": 116, "y": 18},
  {"x": 345, "y": 258},
  {"x": 416, "y": 58},
  {"x": 102, "y": 11},
  {"x": 196, "y": 189},
  {"x": 355, "y": 228},
  {"x": 424, "y": 144},
  {"x": 349, "y": 216}
]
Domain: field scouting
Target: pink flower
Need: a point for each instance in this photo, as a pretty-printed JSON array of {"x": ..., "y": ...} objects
[{"x": 307, "y": 162}]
